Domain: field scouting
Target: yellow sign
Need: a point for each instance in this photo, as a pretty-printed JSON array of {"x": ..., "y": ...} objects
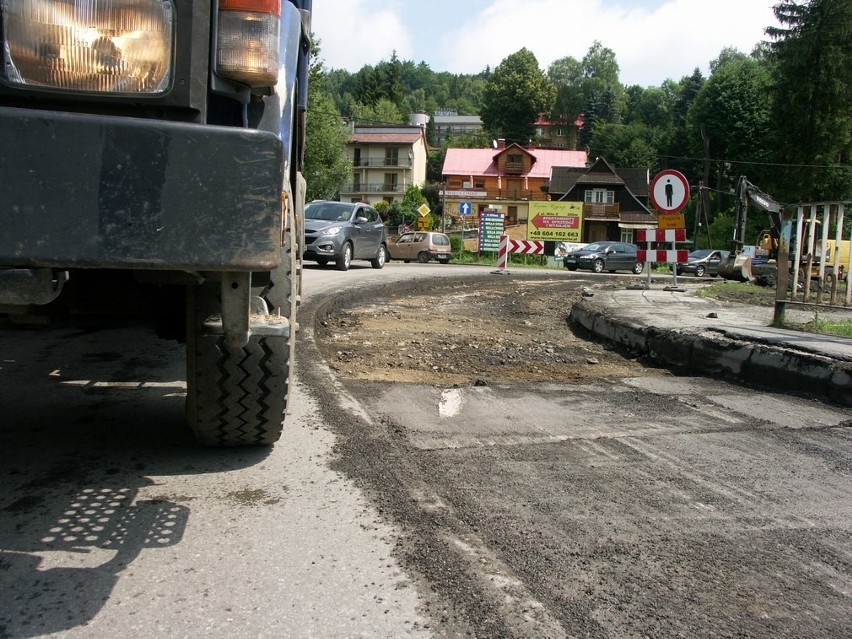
[
  {"x": 666, "y": 222},
  {"x": 555, "y": 221},
  {"x": 422, "y": 223},
  {"x": 424, "y": 210}
]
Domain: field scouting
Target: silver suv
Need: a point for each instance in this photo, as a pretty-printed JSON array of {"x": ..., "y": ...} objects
[{"x": 342, "y": 232}]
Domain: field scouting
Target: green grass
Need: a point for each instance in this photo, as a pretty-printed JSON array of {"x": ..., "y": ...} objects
[
  {"x": 765, "y": 296},
  {"x": 842, "y": 328},
  {"x": 740, "y": 292}
]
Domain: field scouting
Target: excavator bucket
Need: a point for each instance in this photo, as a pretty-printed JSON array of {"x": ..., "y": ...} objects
[{"x": 736, "y": 268}]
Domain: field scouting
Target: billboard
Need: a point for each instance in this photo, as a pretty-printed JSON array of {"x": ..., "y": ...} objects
[{"x": 555, "y": 221}]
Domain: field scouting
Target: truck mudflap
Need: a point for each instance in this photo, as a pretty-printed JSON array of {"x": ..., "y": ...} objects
[{"x": 137, "y": 193}]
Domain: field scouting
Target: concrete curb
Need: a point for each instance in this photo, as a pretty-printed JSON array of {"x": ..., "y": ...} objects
[{"x": 708, "y": 351}]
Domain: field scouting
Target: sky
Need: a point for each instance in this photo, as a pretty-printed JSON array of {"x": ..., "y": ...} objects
[{"x": 654, "y": 40}]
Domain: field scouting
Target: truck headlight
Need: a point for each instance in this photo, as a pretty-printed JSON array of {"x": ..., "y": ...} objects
[
  {"x": 99, "y": 46},
  {"x": 247, "y": 49}
]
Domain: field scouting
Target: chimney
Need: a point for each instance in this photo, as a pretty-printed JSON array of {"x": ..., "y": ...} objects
[{"x": 501, "y": 143}]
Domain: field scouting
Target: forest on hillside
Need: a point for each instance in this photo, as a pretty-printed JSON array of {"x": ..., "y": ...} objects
[{"x": 779, "y": 114}]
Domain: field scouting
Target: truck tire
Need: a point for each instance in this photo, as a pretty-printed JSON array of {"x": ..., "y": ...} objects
[{"x": 238, "y": 396}]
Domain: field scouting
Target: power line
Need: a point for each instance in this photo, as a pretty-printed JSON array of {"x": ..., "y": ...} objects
[{"x": 778, "y": 164}]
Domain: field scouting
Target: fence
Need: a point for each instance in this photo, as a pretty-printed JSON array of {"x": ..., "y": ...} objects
[{"x": 812, "y": 243}]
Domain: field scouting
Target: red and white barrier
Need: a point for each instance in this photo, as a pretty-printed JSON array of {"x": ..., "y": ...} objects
[
  {"x": 525, "y": 247},
  {"x": 662, "y": 256},
  {"x": 655, "y": 235}
]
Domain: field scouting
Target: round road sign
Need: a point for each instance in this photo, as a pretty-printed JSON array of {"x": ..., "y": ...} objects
[{"x": 669, "y": 191}]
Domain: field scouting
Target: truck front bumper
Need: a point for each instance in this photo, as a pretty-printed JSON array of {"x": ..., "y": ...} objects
[{"x": 113, "y": 192}]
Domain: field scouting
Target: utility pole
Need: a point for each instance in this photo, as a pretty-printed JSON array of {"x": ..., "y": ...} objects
[{"x": 443, "y": 205}]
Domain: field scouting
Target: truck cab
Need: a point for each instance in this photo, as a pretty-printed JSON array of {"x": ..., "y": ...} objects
[{"x": 151, "y": 159}]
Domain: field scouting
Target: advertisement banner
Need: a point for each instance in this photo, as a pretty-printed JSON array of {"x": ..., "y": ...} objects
[{"x": 555, "y": 221}]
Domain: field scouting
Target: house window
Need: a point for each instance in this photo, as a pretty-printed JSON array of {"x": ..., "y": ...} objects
[
  {"x": 356, "y": 182},
  {"x": 390, "y": 182},
  {"x": 600, "y": 196},
  {"x": 479, "y": 185},
  {"x": 627, "y": 236},
  {"x": 392, "y": 156},
  {"x": 515, "y": 159},
  {"x": 513, "y": 214}
]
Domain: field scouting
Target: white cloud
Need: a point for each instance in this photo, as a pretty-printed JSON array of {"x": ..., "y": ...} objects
[
  {"x": 667, "y": 39},
  {"x": 353, "y": 33}
]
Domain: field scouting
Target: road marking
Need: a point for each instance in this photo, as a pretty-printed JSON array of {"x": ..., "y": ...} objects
[{"x": 451, "y": 403}]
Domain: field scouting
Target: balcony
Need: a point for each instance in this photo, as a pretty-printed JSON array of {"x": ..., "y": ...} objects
[
  {"x": 382, "y": 163},
  {"x": 377, "y": 187},
  {"x": 601, "y": 211},
  {"x": 514, "y": 168}
]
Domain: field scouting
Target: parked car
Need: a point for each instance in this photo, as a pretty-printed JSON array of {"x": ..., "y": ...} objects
[
  {"x": 604, "y": 256},
  {"x": 421, "y": 246},
  {"x": 342, "y": 232},
  {"x": 702, "y": 262}
]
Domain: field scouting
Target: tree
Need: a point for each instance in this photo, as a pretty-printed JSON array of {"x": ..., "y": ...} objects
[
  {"x": 684, "y": 93},
  {"x": 600, "y": 64},
  {"x": 515, "y": 95},
  {"x": 382, "y": 111},
  {"x": 327, "y": 167},
  {"x": 566, "y": 74},
  {"x": 812, "y": 81},
  {"x": 629, "y": 145},
  {"x": 733, "y": 110}
]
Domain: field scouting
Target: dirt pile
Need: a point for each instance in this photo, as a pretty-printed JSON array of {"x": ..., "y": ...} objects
[{"x": 443, "y": 333}]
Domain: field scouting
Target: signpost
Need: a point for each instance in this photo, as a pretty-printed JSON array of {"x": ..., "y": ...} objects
[
  {"x": 669, "y": 191},
  {"x": 507, "y": 246},
  {"x": 491, "y": 227},
  {"x": 669, "y": 194}
]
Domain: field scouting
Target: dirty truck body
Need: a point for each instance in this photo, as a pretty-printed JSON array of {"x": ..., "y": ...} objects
[{"x": 151, "y": 164}]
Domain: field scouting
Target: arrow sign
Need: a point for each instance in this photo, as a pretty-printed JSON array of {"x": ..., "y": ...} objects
[
  {"x": 526, "y": 247},
  {"x": 556, "y": 222}
]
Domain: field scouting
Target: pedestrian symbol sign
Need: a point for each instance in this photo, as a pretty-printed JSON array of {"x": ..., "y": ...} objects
[{"x": 669, "y": 191}]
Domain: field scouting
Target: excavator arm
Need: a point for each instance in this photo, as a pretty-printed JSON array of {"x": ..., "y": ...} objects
[{"x": 738, "y": 266}]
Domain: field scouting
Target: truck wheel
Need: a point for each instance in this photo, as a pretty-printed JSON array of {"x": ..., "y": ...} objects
[
  {"x": 238, "y": 396},
  {"x": 345, "y": 258}
]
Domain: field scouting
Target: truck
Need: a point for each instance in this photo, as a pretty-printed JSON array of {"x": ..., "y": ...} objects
[{"x": 151, "y": 164}]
